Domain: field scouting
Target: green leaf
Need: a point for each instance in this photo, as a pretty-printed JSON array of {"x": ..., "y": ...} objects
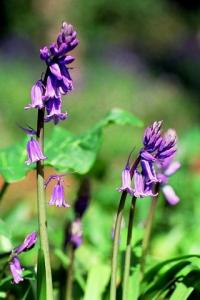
[
  {"x": 5, "y": 236},
  {"x": 181, "y": 292},
  {"x": 120, "y": 117},
  {"x": 4, "y": 229},
  {"x": 94, "y": 286},
  {"x": 26, "y": 294},
  {"x": 12, "y": 162},
  {"x": 2, "y": 295},
  {"x": 41, "y": 276},
  {"x": 192, "y": 279},
  {"x": 164, "y": 275},
  {"x": 134, "y": 284},
  {"x": 165, "y": 280},
  {"x": 152, "y": 272},
  {"x": 66, "y": 152}
]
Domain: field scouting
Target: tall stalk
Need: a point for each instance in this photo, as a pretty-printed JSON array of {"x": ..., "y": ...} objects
[
  {"x": 148, "y": 228},
  {"x": 117, "y": 236},
  {"x": 116, "y": 246},
  {"x": 69, "y": 284},
  {"x": 42, "y": 220},
  {"x": 128, "y": 250}
]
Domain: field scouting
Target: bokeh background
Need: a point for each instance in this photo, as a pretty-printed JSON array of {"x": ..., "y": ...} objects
[{"x": 142, "y": 56}]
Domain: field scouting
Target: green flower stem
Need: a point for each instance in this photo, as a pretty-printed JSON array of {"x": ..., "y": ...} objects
[
  {"x": 69, "y": 285},
  {"x": 128, "y": 250},
  {"x": 117, "y": 236},
  {"x": 148, "y": 228},
  {"x": 42, "y": 220},
  {"x": 116, "y": 246},
  {"x": 4, "y": 189}
]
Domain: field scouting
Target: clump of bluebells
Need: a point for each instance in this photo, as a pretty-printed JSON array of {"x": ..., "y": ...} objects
[
  {"x": 156, "y": 154},
  {"x": 47, "y": 92},
  {"x": 145, "y": 177},
  {"x": 47, "y": 97}
]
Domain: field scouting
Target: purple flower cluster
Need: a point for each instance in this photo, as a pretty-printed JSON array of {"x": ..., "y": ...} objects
[
  {"x": 58, "y": 196},
  {"x": 157, "y": 150},
  {"x": 15, "y": 265},
  {"x": 47, "y": 93}
]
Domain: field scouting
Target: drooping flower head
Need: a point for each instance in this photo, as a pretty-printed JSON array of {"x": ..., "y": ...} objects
[
  {"x": 157, "y": 148},
  {"x": 14, "y": 264},
  {"x": 47, "y": 92},
  {"x": 57, "y": 196}
]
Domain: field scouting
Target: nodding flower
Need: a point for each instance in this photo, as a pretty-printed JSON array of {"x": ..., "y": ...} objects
[
  {"x": 16, "y": 270},
  {"x": 57, "y": 196},
  {"x": 14, "y": 264},
  {"x": 34, "y": 151},
  {"x": 156, "y": 150},
  {"x": 36, "y": 96},
  {"x": 53, "y": 108}
]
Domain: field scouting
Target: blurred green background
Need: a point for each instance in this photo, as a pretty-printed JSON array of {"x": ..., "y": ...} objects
[{"x": 142, "y": 56}]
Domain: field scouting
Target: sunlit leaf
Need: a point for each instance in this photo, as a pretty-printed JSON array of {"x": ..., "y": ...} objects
[
  {"x": 94, "y": 286},
  {"x": 181, "y": 292},
  {"x": 134, "y": 284},
  {"x": 65, "y": 151}
]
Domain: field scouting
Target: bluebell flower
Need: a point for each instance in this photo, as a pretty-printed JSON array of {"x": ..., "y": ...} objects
[
  {"x": 156, "y": 150},
  {"x": 58, "y": 195},
  {"x": 14, "y": 263}
]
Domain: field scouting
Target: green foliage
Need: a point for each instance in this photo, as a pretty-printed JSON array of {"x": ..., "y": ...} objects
[
  {"x": 181, "y": 292},
  {"x": 94, "y": 286},
  {"x": 165, "y": 278},
  {"x": 65, "y": 151}
]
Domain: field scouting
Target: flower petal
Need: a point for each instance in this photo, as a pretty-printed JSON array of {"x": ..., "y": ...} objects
[{"x": 170, "y": 195}]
